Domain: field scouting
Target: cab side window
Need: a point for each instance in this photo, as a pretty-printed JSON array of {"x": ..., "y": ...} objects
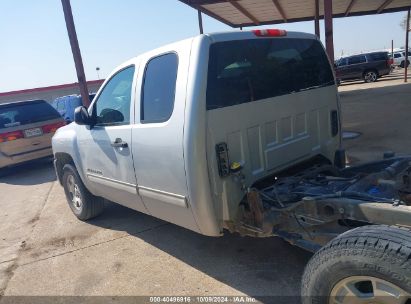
[
  {"x": 113, "y": 104},
  {"x": 159, "y": 86}
]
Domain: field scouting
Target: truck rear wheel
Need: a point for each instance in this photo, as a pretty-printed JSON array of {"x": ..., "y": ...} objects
[
  {"x": 370, "y": 264},
  {"x": 83, "y": 204}
]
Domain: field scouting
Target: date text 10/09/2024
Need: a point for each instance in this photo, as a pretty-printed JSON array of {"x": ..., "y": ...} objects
[{"x": 203, "y": 299}]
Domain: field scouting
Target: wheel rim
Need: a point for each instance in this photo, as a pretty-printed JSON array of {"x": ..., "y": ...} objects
[
  {"x": 74, "y": 192},
  {"x": 371, "y": 76},
  {"x": 367, "y": 290}
]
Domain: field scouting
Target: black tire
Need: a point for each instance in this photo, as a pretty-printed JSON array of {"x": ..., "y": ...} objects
[
  {"x": 382, "y": 252},
  {"x": 402, "y": 64},
  {"x": 91, "y": 206},
  {"x": 370, "y": 76}
]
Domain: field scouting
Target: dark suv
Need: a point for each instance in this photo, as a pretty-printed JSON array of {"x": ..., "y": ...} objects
[{"x": 369, "y": 66}]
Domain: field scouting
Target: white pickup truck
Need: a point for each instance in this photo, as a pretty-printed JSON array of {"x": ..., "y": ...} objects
[{"x": 241, "y": 132}]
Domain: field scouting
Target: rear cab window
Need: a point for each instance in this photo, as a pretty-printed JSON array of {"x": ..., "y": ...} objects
[
  {"x": 16, "y": 114},
  {"x": 243, "y": 71},
  {"x": 157, "y": 104}
]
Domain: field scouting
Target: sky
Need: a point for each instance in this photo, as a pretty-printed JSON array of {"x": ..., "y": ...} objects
[{"x": 35, "y": 50}]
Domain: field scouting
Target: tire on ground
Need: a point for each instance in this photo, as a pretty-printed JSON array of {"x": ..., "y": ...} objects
[
  {"x": 402, "y": 64},
  {"x": 379, "y": 251},
  {"x": 367, "y": 79},
  {"x": 92, "y": 205}
]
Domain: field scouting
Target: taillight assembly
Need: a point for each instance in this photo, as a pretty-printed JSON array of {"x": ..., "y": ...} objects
[
  {"x": 335, "y": 123},
  {"x": 270, "y": 33},
  {"x": 222, "y": 159},
  {"x": 52, "y": 127},
  {"x": 10, "y": 136}
]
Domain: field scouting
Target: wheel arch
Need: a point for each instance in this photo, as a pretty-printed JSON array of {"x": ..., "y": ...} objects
[
  {"x": 60, "y": 160},
  {"x": 370, "y": 70}
]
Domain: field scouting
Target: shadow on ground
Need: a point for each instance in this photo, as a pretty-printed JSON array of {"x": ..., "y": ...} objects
[
  {"x": 33, "y": 173},
  {"x": 397, "y": 74},
  {"x": 258, "y": 267}
]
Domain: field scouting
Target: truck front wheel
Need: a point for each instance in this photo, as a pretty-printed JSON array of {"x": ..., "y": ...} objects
[
  {"x": 370, "y": 264},
  {"x": 83, "y": 204}
]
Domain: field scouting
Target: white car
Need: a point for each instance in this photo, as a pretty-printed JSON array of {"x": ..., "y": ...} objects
[{"x": 399, "y": 59}]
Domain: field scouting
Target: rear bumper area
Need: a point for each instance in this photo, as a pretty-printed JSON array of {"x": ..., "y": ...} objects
[{"x": 6, "y": 160}]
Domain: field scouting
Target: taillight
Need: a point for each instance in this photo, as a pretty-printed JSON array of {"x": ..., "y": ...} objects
[
  {"x": 53, "y": 127},
  {"x": 334, "y": 123},
  {"x": 270, "y": 33},
  {"x": 390, "y": 61},
  {"x": 10, "y": 136}
]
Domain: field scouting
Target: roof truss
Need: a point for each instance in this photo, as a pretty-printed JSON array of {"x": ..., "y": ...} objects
[{"x": 242, "y": 13}]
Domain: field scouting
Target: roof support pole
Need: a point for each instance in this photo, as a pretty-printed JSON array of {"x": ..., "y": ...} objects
[
  {"x": 200, "y": 22},
  {"x": 406, "y": 46},
  {"x": 75, "y": 49},
  {"x": 317, "y": 18},
  {"x": 328, "y": 24}
]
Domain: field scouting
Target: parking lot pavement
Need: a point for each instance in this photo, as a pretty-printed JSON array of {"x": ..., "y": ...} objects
[
  {"x": 23, "y": 195},
  {"x": 124, "y": 252},
  {"x": 380, "y": 112}
]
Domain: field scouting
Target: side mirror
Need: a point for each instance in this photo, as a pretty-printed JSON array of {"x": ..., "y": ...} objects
[{"x": 81, "y": 116}]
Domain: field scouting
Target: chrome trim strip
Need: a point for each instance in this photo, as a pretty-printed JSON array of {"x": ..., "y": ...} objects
[
  {"x": 111, "y": 180},
  {"x": 163, "y": 196}
]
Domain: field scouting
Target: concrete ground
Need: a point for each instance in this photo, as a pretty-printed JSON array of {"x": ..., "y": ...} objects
[
  {"x": 45, "y": 250},
  {"x": 381, "y": 112}
]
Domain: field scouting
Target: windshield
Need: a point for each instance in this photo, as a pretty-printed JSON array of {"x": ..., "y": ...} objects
[
  {"x": 248, "y": 70},
  {"x": 25, "y": 113}
]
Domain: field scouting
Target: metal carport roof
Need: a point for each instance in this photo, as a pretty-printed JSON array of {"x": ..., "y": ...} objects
[{"x": 242, "y": 13}]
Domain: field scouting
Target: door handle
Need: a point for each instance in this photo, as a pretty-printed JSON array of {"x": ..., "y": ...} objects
[{"x": 119, "y": 143}]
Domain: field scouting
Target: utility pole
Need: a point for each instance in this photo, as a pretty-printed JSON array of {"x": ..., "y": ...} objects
[
  {"x": 328, "y": 24},
  {"x": 98, "y": 73},
  {"x": 392, "y": 50},
  {"x": 407, "y": 29},
  {"x": 75, "y": 49},
  {"x": 317, "y": 18}
]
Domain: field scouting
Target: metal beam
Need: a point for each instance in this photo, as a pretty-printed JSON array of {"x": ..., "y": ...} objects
[
  {"x": 75, "y": 49},
  {"x": 407, "y": 29},
  {"x": 200, "y": 22},
  {"x": 196, "y": 4},
  {"x": 280, "y": 10},
  {"x": 328, "y": 24},
  {"x": 244, "y": 11},
  {"x": 349, "y": 7},
  {"x": 317, "y": 18},
  {"x": 384, "y": 5}
]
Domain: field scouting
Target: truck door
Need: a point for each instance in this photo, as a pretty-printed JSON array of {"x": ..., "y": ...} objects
[
  {"x": 157, "y": 135},
  {"x": 105, "y": 149}
]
